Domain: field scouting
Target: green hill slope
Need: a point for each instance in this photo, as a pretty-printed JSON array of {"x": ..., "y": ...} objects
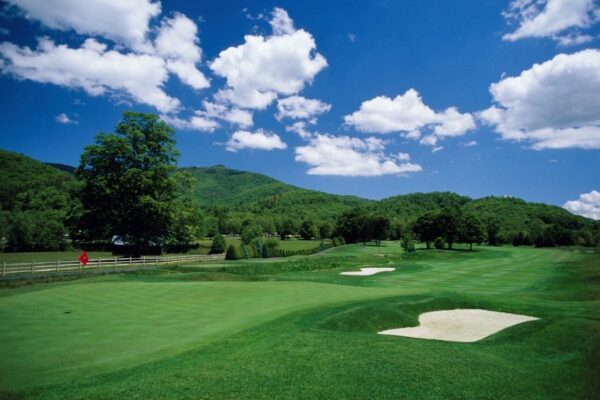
[
  {"x": 35, "y": 201},
  {"x": 241, "y": 191}
]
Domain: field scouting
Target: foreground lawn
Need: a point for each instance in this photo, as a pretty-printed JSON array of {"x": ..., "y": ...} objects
[{"x": 295, "y": 328}]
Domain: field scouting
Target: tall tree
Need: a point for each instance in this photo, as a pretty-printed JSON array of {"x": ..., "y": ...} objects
[
  {"x": 380, "y": 228},
  {"x": 471, "y": 230},
  {"x": 308, "y": 229},
  {"x": 448, "y": 221},
  {"x": 287, "y": 227},
  {"x": 130, "y": 185},
  {"x": 426, "y": 228}
]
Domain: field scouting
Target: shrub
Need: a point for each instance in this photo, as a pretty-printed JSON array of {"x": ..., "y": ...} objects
[
  {"x": 265, "y": 253},
  {"x": 218, "y": 244},
  {"x": 250, "y": 233},
  {"x": 408, "y": 244},
  {"x": 272, "y": 243},
  {"x": 439, "y": 243},
  {"x": 232, "y": 253},
  {"x": 258, "y": 245}
]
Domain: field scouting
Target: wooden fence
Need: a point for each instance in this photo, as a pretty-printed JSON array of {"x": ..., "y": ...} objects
[{"x": 39, "y": 268}]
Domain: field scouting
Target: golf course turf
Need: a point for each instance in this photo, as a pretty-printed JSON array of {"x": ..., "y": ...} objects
[{"x": 296, "y": 328}]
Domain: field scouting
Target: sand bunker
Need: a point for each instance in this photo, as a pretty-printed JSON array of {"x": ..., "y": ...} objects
[
  {"x": 459, "y": 325},
  {"x": 368, "y": 271}
]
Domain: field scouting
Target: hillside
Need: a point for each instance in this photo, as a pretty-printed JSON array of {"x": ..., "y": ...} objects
[
  {"x": 410, "y": 206},
  {"x": 20, "y": 174},
  {"x": 35, "y": 203},
  {"x": 32, "y": 191},
  {"x": 241, "y": 191},
  {"x": 221, "y": 186}
]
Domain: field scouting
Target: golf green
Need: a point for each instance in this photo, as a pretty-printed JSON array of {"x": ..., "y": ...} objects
[{"x": 296, "y": 328}]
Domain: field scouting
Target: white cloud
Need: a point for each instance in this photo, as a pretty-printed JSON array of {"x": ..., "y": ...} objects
[
  {"x": 281, "y": 23},
  {"x": 407, "y": 114},
  {"x": 63, "y": 118},
  {"x": 557, "y": 19},
  {"x": 93, "y": 69},
  {"x": 121, "y": 21},
  {"x": 259, "y": 140},
  {"x": 264, "y": 67},
  {"x": 298, "y": 107},
  {"x": 587, "y": 205},
  {"x": 470, "y": 144},
  {"x": 241, "y": 118},
  {"x": 347, "y": 156},
  {"x": 553, "y": 105},
  {"x": 177, "y": 42},
  {"x": 195, "y": 123},
  {"x": 300, "y": 128},
  {"x": 403, "y": 156}
]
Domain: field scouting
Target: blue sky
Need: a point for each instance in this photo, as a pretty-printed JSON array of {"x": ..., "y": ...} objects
[{"x": 370, "y": 98}]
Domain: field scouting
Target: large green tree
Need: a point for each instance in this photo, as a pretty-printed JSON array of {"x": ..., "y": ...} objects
[
  {"x": 131, "y": 188},
  {"x": 471, "y": 230}
]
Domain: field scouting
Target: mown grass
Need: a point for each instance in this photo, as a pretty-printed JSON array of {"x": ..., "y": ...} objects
[{"x": 295, "y": 328}]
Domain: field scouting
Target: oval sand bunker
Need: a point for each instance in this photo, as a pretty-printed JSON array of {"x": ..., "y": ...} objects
[
  {"x": 461, "y": 325},
  {"x": 368, "y": 271}
]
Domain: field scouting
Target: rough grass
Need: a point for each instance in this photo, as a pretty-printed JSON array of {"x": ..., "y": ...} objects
[{"x": 295, "y": 328}]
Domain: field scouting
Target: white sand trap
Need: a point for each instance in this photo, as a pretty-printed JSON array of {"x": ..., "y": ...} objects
[
  {"x": 459, "y": 325},
  {"x": 368, "y": 271}
]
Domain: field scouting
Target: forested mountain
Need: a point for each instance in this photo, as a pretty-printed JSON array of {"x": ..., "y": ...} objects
[
  {"x": 37, "y": 199},
  {"x": 410, "y": 206},
  {"x": 222, "y": 189}
]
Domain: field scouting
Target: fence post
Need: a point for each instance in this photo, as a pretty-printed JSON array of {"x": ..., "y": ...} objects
[
  {"x": 143, "y": 261},
  {"x": 115, "y": 262},
  {"x": 167, "y": 260},
  {"x": 32, "y": 265},
  {"x": 99, "y": 260},
  {"x": 129, "y": 261},
  {"x": 4, "y": 268},
  {"x": 57, "y": 265}
]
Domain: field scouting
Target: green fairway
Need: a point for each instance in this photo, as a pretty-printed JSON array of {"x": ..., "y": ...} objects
[{"x": 296, "y": 328}]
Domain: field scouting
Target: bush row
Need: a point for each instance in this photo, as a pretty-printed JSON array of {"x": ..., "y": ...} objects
[{"x": 267, "y": 249}]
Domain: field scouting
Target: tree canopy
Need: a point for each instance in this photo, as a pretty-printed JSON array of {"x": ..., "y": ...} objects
[{"x": 131, "y": 188}]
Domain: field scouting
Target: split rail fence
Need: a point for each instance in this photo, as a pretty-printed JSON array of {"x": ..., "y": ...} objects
[{"x": 43, "y": 268}]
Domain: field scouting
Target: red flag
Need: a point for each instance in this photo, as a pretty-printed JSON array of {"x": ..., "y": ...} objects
[{"x": 83, "y": 258}]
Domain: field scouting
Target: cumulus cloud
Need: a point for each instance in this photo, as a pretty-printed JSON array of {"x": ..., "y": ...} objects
[
  {"x": 236, "y": 116},
  {"x": 124, "y": 22},
  {"x": 63, "y": 118},
  {"x": 300, "y": 128},
  {"x": 262, "y": 68},
  {"x": 348, "y": 156},
  {"x": 92, "y": 68},
  {"x": 403, "y": 156},
  {"x": 298, "y": 107},
  {"x": 177, "y": 42},
  {"x": 259, "y": 140},
  {"x": 281, "y": 23},
  {"x": 408, "y": 115},
  {"x": 206, "y": 119},
  {"x": 587, "y": 205},
  {"x": 133, "y": 66},
  {"x": 553, "y": 105},
  {"x": 560, "y": 20},
  {"x": 194, "y": 123}
]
